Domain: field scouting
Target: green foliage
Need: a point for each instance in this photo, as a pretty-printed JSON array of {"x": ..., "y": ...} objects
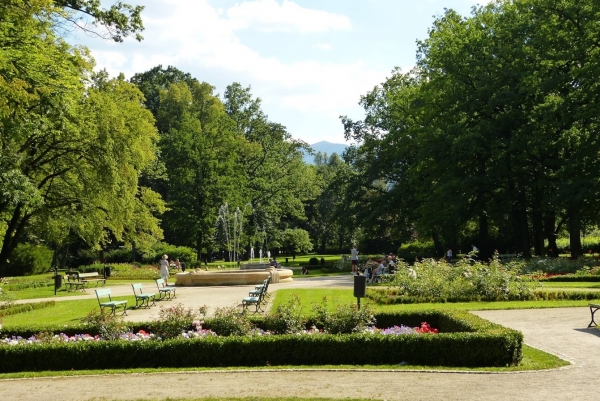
[
  {"x": 416, "y": 249},
  {"x": 297, "y": 240},
  {"x": 287, "y": 318},
  {"x": 438, "y": 281},
  {"x": 183, "y": 253},
  {"x": 173, "y": 320},
  {"x": 464, "y": 340},
  {"x": 229, "y": 322},
  {"x": 345, "y": 319},
  {"x": 107, "y": 325},
  {"x": 7, "y": 309},
  {"x": 385, "y": 296},
  {"x": 123, "y": 271},
  {"x": 23, "y": 285},
  {"x": 119, "y": 21},
  {"x": 560, "y": 265},
  {"x": 313, "y": 261},
  {"x": 29, "y": 259}
]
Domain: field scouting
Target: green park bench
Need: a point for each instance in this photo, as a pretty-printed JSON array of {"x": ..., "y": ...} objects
[{"x": 104, "y": 293}]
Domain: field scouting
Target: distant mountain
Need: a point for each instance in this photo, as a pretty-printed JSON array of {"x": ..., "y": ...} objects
[{"x": 325, "y": 147}]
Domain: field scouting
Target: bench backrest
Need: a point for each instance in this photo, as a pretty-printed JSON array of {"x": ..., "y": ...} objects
[
  {"x": 103, "y": 292},
  {"x": 92, "y": 274},
  {"x": 160, "y": 282},
  {"x": 136, "y": 287}
]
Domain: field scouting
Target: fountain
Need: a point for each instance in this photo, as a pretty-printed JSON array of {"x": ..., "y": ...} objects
[{"x": 231, "y": 227}]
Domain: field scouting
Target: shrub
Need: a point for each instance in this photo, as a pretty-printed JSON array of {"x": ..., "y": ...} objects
[
  {"x": 287, "y": 318},
  {"x": 344, "y": 320},
  {"x": 229, "y": 322},
  {"x": 124, "y": 271},
  {"x": 438, "y": 281},
  {"x": 172, "y": 321},
  {"x": 558, "y": 265},
  {"x": 182, "y": 253},
  {"x": 313, "y": 261},
  {"x": 108, "y": 326},
  {"x": 29, "y": 259},
  {"x": 409, "y": 252}
]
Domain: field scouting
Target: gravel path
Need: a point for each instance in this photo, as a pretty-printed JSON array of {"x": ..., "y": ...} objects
[{"x": 562, "y": 332}]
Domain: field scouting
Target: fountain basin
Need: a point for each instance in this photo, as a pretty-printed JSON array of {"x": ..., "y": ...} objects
[
  {"x": 232, "y": 277},
  {"x": 254, "y": 266}
]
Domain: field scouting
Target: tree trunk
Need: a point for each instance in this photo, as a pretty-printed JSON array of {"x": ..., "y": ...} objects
[
  {"x": 538, "y": 232},
  {"x": 551, "y": 234},
  {"x": 485, "y": 251},
  {"x": 133, "y": 250},
  {"x": 522, "y": 227},
  {"x": 199, "y": 239},
  {"x": 439, "y": 249},
  {"x": 575, "y": 232},
  {"x": 11, "y": 237}
]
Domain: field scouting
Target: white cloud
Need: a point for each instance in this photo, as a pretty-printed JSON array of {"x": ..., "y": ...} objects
[
  {"x": 323, "y": 46},
  {"x": 199, "y": 39},
  {"x": 270, "y": 16}
]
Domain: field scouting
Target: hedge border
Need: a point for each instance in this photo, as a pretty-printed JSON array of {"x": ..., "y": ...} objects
[{"x": 464, "y": 340}]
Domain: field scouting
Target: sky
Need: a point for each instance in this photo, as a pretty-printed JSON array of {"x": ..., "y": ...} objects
[{"x": 309, "y": 61}]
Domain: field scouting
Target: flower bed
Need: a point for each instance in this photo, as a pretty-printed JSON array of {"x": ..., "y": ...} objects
[{"x": 463, "y": 340}]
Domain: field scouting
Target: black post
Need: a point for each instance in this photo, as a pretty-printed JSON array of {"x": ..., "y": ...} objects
[{"x": 57, "y": 280}]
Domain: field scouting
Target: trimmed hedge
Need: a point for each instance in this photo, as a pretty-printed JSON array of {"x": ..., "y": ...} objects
[
  {"x": 387, "y": 297},
  {"x": 464, "y": 340},
  {"x": 21, "y": 308},
  {"x": 573, "y": 278}
]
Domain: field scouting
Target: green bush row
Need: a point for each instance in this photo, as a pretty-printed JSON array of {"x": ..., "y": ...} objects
[
  {"x": 478, "y": 343},
  {"x": 393, "y": 297},
  {"x": 29, "y": 259},
  {"x": 558, "y": 265},
  {"x": 573, "y": 278},
  {"x": 11, "y": 309},
  {"x": 124, "y": 255},
  {"x": 410, "y": 251},
  {"x": 24, "y": 285}
]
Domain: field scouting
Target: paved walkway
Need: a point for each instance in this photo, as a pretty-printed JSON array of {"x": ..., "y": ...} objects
[{"x": 561, "y": 331}]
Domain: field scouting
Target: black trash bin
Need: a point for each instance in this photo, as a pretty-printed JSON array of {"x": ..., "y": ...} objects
[
  {"x": 106, "y": 271},
  {"x": 360, "y": 286},
  {"x": 57, "y": 281}
]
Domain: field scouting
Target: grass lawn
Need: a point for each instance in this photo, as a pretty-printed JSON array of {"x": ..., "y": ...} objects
[
  {"x": 64, "y": 312},
  {"x": 345, "y": 296}
]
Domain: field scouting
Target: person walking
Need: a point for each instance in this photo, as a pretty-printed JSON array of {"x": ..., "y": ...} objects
[
  {"x": 449, "y": 255},
  {"x": 163, "y": 267},
  {"x": 354, "y": 258}
]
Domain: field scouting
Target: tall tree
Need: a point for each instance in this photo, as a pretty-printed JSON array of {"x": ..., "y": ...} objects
[
  {"x": 276, "y": 181},
  {"x": 71, "y": 149},
  {"x": 201, "y": 149}
]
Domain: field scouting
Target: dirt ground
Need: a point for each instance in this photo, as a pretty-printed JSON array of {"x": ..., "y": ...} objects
[{"x": 562, "y": 332}]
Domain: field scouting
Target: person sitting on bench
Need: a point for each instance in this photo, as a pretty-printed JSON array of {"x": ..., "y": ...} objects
[{"x": 377, "y": 271}]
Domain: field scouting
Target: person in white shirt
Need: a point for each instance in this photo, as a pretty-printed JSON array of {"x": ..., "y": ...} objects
[
  {"x": 163, "y": 266},
  {"x": 354, "y": 257}
]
